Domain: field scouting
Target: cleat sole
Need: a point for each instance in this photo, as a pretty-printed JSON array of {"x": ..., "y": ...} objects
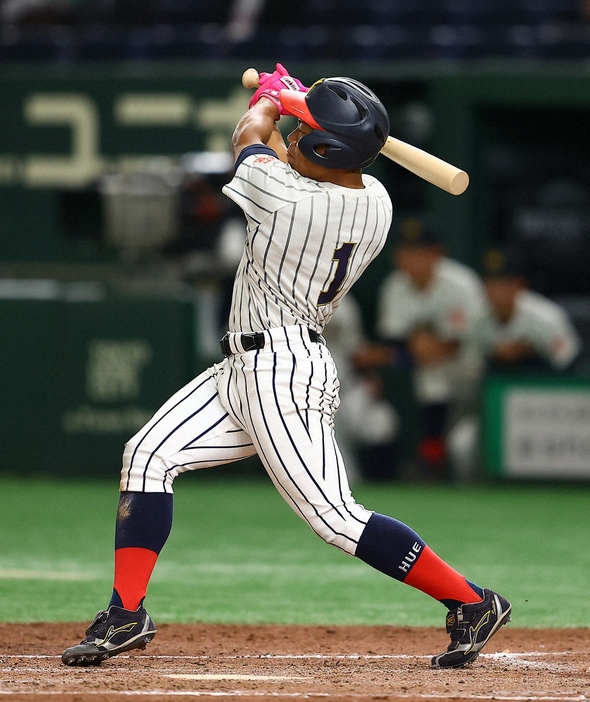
[
  {"x": 112, "y": 632},
  {"x": 84, "y": 658}
]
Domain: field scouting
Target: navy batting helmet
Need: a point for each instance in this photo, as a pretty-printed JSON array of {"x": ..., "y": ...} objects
[{"x": 347, "y": 119}]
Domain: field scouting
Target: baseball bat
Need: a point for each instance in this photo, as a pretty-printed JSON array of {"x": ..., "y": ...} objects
[{"x": 423, "y": 164}]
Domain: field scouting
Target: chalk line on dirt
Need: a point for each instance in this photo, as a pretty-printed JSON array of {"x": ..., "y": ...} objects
[
  {"x": 232, "y": 676},
  {"x": 332, "y": 695},
  {"x": 301, "y": 656}
]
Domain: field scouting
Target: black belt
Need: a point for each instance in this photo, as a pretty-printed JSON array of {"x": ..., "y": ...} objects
[{"x": 254, "y": 341}]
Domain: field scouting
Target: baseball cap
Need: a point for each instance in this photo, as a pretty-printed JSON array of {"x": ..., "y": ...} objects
[
  {"x": 503, "y": 262},
  {"x": 414, "y": 231}
]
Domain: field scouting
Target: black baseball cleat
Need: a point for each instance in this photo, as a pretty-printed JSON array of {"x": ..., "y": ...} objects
[
  {"x": 471, "y": 626},
  {"x": 113, "y": 631}
]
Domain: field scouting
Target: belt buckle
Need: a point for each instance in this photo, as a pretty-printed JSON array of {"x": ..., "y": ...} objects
[
  {"x": 224, "y": 343},
  {"x": 252, "y": 340},
  {"x": 249, "y": 341}
]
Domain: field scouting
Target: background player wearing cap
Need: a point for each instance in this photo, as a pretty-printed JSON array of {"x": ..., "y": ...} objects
[
  {"x": 518, "y": 331},
  {"x": 521, "y": 330},
  {"x": 426, "y": 308},
  {"x": 314, "y": 223}
]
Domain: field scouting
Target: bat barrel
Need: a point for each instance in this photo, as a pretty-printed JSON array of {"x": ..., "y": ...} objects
[{"x": 426, "y": 166}]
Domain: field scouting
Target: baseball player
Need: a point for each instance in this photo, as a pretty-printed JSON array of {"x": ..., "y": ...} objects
[
  {"x": 426, "y": 309},
  {"x": 521, "y": 329},
  {"x": 314, "y": 222}
]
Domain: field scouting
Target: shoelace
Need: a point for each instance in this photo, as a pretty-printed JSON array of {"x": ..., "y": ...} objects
[
  {"x": 458, "y": 628},
  {"x": 100, "y": 618},
  {"x": 458, "y": 633}
]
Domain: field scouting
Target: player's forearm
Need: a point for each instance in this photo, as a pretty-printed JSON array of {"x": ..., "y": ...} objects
[
  {"x": 257, "y": 126},
  {"x": 514, "y": 351},
  {"x": 277, "y": 143},
  {"x": 427, "y": 348}
]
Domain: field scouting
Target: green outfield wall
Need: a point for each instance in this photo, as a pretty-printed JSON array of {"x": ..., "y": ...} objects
[
  {"x": 82, "y": 370},
  {"x": 537, "y": 427}
]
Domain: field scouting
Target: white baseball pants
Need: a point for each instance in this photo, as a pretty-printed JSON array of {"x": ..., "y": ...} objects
[{"x": 278, "y": 402}]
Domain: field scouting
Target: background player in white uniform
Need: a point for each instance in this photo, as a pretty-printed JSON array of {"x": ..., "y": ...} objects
[
  {"x": 518, "y": 331},
  {"x": 426, "y": 308},
  {"x": 313, "y": 225},
  {"x": 521, "y": 329}
]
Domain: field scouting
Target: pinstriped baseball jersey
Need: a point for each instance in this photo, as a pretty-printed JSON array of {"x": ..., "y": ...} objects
[{"x": 307, "y": 243}]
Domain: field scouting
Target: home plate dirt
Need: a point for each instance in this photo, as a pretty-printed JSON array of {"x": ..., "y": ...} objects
[{"x": 356, "y": 663}]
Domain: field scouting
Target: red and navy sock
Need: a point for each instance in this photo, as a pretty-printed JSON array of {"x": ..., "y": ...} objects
[
  {"x": 396, "y": 550},
  {"x": 144, "y": 521}
]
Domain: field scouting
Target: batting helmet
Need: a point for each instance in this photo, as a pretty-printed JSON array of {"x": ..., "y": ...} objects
[{"x": 347, "y": 118}]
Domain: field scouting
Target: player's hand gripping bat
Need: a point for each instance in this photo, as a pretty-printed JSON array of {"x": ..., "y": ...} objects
[{"x": 421, "y": 163}]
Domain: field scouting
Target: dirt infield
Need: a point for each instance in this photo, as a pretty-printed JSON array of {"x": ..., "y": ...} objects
[{"x": 213, "y": 662}]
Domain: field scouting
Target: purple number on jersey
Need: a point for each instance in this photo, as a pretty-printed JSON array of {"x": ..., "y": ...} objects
[{"x": 342, "y": 256}]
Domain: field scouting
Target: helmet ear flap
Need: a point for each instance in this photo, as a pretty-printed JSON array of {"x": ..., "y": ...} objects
[
  {"x": 310, "y": 144},
  {"x": 339, "y": 153}
]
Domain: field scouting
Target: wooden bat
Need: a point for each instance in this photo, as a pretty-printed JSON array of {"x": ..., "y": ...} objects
[{"x": 426, "y": 166}]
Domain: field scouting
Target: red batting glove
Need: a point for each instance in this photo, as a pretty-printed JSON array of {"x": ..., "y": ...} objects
[{"x": 271, "y": 84}]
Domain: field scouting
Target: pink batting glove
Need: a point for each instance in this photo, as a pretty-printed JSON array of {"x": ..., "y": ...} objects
[{"x": 271, "y": 84}]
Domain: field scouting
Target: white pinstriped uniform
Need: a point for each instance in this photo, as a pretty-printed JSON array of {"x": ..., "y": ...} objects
[{"x": 306, "y": 244}]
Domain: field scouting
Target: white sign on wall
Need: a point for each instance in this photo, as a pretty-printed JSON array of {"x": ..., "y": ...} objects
[{"x": 547, "y": 433}]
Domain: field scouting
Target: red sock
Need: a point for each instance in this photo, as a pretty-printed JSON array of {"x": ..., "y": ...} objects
[
  {"x": 437, "y": 579},
  {"x": 133, "y": 569}
]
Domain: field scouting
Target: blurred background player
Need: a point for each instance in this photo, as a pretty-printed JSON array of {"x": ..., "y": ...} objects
[
  {"x": 426, "y": 307},
  {"x": 521, "y": 330}
]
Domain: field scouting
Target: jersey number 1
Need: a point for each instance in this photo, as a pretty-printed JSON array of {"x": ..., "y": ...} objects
[{"x": 342, "y": 256}]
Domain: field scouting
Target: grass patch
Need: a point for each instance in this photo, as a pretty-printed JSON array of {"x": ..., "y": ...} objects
[{"x": 238, "y": 554}]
